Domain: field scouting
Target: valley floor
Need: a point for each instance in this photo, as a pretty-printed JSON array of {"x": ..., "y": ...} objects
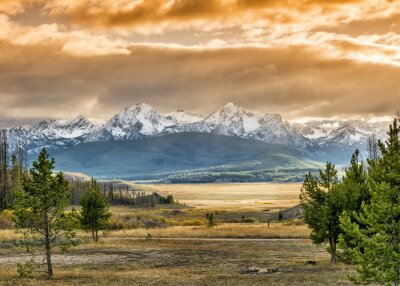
[
  {"x": 185, "y": 262},
  {"x": 184, "y": 251},
  {"x": 233, "y": 196}
]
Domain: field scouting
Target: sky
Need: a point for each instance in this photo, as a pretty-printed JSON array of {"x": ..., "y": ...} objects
[{"x": 300, "y": 58}]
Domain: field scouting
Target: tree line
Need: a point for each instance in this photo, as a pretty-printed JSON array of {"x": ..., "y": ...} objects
[
  {"x": 359, "y": 216},
  {"x": 118, "y": 193},
  {"x": 11, "y": 171}
]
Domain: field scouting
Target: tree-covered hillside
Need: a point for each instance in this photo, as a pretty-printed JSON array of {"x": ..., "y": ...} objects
[{"x": 183, "y": 157}]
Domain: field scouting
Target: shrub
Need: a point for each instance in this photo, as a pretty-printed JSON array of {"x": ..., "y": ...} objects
[
  {"x": 210, "y": 220},
  {"x": 295, "y": 222},
  {"x": 194, "y": 222},
  {"x": 233, "y": 220},
  {"x": 249, "y": 220},
  {"x": 280, "y": 215},
  {"x": 6, "y": 219},
  {"x": 5, "y": 244},
  {"x": 25, "y": 269},
  {"x": 129, "y": 221}
]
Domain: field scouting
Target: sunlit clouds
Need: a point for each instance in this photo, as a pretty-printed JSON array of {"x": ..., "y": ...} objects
[{"x": 302, "y": 59}]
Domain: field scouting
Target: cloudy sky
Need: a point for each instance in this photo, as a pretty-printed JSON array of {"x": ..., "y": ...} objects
[{"x": 300, "y": 58}]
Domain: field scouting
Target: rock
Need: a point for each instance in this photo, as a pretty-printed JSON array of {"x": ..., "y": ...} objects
[
  {"x": 268, "y": 270},
  {"x": 311, "y": 262},
  {"x": 253, "y": 269},
  {"x": 257, "y": 270}
]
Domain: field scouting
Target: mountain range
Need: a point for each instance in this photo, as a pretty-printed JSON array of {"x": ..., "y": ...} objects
[{"x": 315, "y": 140}]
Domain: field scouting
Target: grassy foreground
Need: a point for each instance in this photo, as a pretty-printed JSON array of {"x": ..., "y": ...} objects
[
  {"x": 220, "y": 255},
  {"x": 156, "y": 262}
]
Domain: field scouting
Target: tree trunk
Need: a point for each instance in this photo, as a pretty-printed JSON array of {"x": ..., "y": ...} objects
[
  {"x": 97, "y": 236},
  {"x": 396, "y": 282},
  {"x": 48, "y": 248},
  {"x": 333, "y": 251}
]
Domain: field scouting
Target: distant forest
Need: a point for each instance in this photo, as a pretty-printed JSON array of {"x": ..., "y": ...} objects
[{"x": 119, "y": 193}]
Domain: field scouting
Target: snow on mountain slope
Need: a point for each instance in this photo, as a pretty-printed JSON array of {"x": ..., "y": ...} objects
[
  {"x": 317, "y": 129},
  {"x": 342, "y": 133},
  {"x": 50, "y": 133},
  {"x": 74, "y": 128},
  {"x": 131, "y": 123},
  {"x": 353, "y": 133},
  {"x": 183, "y": 117},
  {"x": 233, "y": 120},
  {"x": 142, "y": 120}
]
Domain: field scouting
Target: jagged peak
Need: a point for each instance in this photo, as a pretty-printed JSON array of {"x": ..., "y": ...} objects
[
  {"x": 78, "y": 119},
  {"x": 182, "y": 111},
  {"x": 46, "y": 122},
  {"x": 231, "y": 107},
  {"x": 183, "y": 116},
  {"x": 134, "y": 109}
]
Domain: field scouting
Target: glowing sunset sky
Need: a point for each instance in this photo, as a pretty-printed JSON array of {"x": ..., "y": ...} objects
[{"x": 299, "y": 58}]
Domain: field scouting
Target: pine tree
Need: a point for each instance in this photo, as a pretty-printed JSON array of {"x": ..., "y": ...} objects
[
  {"x": 375, "y": 235},
  {"x": 328, "y": 176},
  {"x": 16, "y": 182},
  {"x": 373, "y": 148},
  {"x": 355, "y": 182},
  {"x": 355, "y": 191},
  {"x": 322, "y": 202},
  {"x": 4, "y": 180},
  {"x": 39, "y": 208},
  {"x": 95, "y": 210}
]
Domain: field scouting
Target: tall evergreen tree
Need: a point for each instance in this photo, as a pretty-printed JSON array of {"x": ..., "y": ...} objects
[
  {"x": 375, "y": 233},
  {"x": 16, "y": 182},
  {"x": 328, "y": 176},
  {"x": 39, "y": 208},
  {"x": 4, "y": 180},
  {"x": 373, "y": 148},
  {"x": 322, "y": 202},
  {"x": 355, "y": 182},
  {"x": 355, "y": 191},
  {"x": 95, "y": 212}
]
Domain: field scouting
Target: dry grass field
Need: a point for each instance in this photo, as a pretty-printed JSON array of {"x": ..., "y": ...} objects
[
  {"x": 255, "y": 196},
  {"x": 184, "y": 251},
  {"x": 227, "y": 230},
  {"x": 168, "y": 262}
]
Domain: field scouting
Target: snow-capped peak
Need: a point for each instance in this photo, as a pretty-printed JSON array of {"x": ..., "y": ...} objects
[
  {"x": 181, "y": 116},
  {"x": 142, "y": 120},
  {"x": 79, "y": 120},
  {"x": 343, "y": 133},
  {"x": 231, "y": 107},
  {"x": 132, "y": 112},
  {"x": 130, "y": 123}
]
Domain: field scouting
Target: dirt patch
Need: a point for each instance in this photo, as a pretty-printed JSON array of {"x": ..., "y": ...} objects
[
  {"x": 81, "y": 257},
  {"x": 66, "y": 259}
]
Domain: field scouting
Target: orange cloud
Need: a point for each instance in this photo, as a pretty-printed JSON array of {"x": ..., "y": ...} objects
[
  {"x": 127, "y": 13},
  {"x": 301, "y": 58},
  {"x": 293, "y": 81}
]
